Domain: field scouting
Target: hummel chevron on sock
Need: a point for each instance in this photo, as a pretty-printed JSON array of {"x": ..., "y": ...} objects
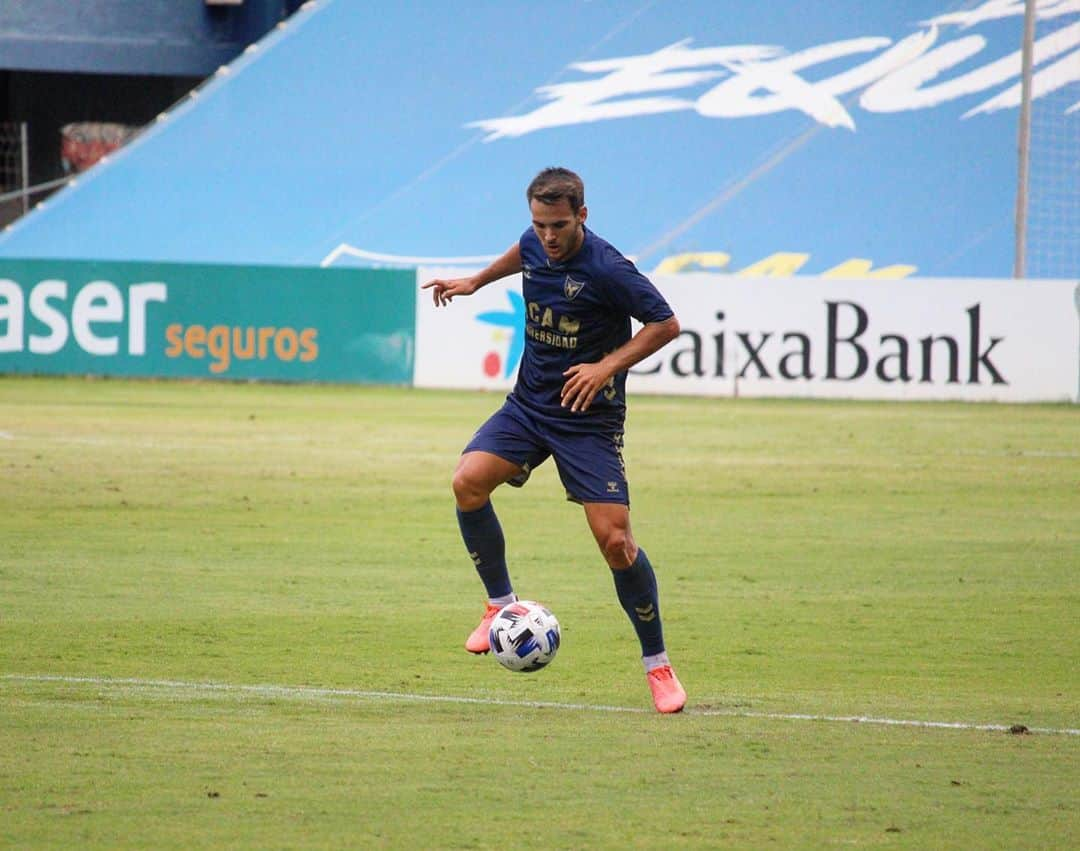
[
  {"x": 636, "y": 589},
  {"x": 484, "y": 540}
]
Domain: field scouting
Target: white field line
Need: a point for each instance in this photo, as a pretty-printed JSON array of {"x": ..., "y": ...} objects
[{"x": 180, "y": 688}]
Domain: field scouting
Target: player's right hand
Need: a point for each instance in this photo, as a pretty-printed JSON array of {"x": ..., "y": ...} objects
[{"x": 444, "y": 290}]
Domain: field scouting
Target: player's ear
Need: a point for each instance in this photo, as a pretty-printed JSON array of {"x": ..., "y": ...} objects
[{"x": 583, "y": 214}]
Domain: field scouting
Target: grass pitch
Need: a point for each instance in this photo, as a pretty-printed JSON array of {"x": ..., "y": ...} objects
[{"x": 232, "y": 615}]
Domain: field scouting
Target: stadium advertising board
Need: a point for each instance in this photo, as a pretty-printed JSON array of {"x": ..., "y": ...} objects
[
  {"x": 976, "y": 340},
  {"x": 199, "y": 321}
]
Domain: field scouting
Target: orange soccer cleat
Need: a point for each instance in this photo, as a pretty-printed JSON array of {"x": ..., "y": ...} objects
[
  {"x": 477, "y": 642},
  {"x": 667, "y": 692}
]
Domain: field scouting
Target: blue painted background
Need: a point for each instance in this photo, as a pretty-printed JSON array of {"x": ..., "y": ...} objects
[{"x": 353, "y": 124}]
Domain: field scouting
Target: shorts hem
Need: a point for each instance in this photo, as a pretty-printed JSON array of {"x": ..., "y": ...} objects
[{"x": 614, "y": 501}]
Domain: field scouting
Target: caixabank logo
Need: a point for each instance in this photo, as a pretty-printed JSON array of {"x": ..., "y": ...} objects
[
  {"x": 927, "y": 339},
  {"x": 507, "y": 338},
  {"x": 960, "y": 339},
  {"x": 842, "y": 348},
  {"x": 969, "y": 339}
]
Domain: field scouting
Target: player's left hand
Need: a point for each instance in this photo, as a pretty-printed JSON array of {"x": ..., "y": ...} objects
[
  {"x": 444, "y": 290},
  {"x": 583, "y": 382}
]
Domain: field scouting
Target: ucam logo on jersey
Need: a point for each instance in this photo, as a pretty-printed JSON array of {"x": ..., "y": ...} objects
[
  {"x": 973, "y": 340},
  {"x": 571, "y": 288}
]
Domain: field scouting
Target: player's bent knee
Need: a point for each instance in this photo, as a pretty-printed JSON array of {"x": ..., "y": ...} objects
[
  {"x": 618, "y": 549},
  {"x": 468, "y": 493}
]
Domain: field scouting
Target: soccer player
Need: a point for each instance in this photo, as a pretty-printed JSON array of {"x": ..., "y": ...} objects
[{"x": 569, "y": 403}]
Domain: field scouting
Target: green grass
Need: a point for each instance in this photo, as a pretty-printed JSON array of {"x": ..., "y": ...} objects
[{"x": 902, "y": 561}]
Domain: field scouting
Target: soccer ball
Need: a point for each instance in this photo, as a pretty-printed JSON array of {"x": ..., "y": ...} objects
[{"x": 524, "y": 636}]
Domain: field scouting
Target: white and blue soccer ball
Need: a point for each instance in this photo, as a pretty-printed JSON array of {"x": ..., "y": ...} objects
[{"x": 524, "y": 636}]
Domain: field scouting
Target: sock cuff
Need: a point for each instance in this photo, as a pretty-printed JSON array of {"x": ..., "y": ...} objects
[
  {"x": 637, "y": 579},
  {"x": 486, "y": 508}
]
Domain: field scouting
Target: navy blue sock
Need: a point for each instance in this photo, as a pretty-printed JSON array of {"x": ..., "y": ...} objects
[
  {"x": 484, "y": 540},
  {"x": 636, "y": 588}
]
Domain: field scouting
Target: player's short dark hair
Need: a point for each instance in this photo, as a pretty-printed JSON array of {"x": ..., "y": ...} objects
[{"x": 555, "y": 184}]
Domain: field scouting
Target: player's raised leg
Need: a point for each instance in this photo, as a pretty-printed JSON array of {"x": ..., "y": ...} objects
[
  {"x": 635, "y": 586},
  {"x": 476, "y": 476}
]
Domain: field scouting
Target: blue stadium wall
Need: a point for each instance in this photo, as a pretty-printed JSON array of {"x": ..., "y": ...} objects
[{"x": 852, "y": 138}]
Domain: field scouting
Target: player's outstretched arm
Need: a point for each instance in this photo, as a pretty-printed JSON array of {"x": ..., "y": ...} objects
[
  {"x": 444, "y": 290},
  {"x": 585, "y": 380}
]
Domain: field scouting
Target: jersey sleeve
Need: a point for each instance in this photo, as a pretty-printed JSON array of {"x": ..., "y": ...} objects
[{"x": 633, "y": 293}]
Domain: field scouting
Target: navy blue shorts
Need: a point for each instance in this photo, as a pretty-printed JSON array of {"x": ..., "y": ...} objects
[{"x": 590, "y": 463}]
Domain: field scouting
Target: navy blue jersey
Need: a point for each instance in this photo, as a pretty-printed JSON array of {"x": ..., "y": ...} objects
[{"x": 578, "y": 312}]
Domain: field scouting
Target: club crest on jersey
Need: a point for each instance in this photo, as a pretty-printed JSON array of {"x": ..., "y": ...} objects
[{"x": 571, "y": 288}]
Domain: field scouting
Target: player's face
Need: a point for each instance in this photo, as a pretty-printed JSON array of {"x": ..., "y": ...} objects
[{"x": 559, "y": 228}]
